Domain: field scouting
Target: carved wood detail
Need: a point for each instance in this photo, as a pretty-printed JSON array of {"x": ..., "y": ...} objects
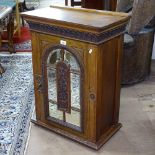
[{"x": 63, "y": 86}]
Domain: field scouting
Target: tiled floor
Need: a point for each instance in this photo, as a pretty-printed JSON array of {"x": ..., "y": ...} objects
[{"x": 136, "y": 137}]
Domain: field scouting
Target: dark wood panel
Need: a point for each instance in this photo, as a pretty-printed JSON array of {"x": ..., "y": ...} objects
[
  {"x": 93, "y": 4},
  {"x": 100, "y": 4}
]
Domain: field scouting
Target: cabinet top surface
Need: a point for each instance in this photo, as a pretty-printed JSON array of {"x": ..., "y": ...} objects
[{"x": 94, "y": 19}]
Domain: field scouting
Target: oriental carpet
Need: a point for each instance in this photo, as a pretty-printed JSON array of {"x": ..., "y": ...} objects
[
  {"x": 22, "y": 43},
  {"x": 16, "y": 96}
]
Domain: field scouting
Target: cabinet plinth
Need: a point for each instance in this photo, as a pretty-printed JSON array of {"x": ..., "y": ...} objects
[{"x": 76, "y": 67}]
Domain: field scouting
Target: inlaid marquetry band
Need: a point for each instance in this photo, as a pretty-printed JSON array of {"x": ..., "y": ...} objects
[{"x": 75, "y": 34}]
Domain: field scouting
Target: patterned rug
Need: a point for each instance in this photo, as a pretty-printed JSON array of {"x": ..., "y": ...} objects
[
  {"x": 22, "y": 43},
  {"x": 16, "y": 95},
  {"x": 20, "y": 47}
]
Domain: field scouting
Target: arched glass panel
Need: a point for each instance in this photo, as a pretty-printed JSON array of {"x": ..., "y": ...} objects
[{"x": 64, "y": 88}]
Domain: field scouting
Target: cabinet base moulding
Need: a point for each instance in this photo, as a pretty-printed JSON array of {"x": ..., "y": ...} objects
[{"x": 96, "y": 146}]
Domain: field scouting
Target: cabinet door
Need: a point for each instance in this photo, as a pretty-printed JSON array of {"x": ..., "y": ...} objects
[{"x": 63, "y": 88}]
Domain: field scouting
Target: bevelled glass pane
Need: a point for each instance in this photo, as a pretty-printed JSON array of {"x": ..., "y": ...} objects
[
  {"x": 73, "y": 118},
  {"x": 52, "y": 93},
  {"x": 75, "y": 90},
  {"x": 53, "y": 112}
]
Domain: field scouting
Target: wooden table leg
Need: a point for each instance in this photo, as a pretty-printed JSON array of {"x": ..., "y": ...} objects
[
  {"x": 66, "y": 2},
  {"x": 1, "y": 68},
  {"x": 0, "y": 40},
  {"x": 10, "y": 30}
]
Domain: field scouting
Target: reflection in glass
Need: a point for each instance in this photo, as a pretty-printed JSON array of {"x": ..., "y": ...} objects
[{"x": 72, "y": 118}]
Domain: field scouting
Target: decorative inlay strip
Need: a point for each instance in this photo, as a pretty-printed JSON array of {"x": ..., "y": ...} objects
[{"x": 83, "y": 36}]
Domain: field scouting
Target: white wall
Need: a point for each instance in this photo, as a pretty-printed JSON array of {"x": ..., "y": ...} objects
[{"x": 153, "y": 55}]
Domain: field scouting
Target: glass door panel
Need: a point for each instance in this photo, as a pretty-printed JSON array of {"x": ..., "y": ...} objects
[{"x": 64, "y": 88}]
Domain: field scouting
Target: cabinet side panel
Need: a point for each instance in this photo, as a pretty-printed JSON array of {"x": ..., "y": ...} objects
[
  {"x": 36, "y": 57},
  {"x": 118, "y": 79},
  {"x": 107, "y": 81}
]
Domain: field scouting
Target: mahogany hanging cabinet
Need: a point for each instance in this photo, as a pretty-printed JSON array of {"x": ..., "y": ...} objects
[{"x": 76, "y": 66}]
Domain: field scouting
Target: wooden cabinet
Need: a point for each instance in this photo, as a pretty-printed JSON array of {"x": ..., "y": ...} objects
[{"x": 76, "y": 67}]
